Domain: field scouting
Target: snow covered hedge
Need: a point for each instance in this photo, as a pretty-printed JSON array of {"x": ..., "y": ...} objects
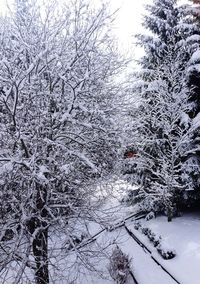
[{"x": 163, "y": 249}]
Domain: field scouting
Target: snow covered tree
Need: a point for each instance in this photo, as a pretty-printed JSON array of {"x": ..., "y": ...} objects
[
  {"x": 57, "y": 135},
  {"x": 192, "y": 15},
  {"x": 160, "y": 127}
]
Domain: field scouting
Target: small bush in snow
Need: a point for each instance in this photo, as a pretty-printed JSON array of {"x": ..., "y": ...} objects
[
  {"x": 150, "y": 216},
  {"x": 137, "y": 225},
  {"x": 157, "y": 240},
  {"x": 146, "y": 231},
  {"x": 151, "y": 236},
  {"x": 119, "y": 267},
  {"x": 166, "y": 253}
]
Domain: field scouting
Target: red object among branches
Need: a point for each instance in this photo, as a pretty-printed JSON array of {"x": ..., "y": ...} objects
[{"x": 129, "y": 154}]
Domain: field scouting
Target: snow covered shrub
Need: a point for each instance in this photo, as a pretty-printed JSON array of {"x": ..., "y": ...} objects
[
  {"x": 151, "y": 236},
  {"x": 162, "y": 248},
  {"x": 156, "y": 240},
  {"x": 166, "y": 252},
  {"x": 119, "y": 266},
  {"x": 150, "y": 203},
  {"x": 137, "y": 225},
  {"x": 150, "y": 215},
  {"x": 146, "y": 231}
]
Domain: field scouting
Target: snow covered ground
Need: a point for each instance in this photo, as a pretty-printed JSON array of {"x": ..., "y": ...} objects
[
  {"x": 146, "y": 271},
  {"x": 88, "y": 265},
  {"x": 182, "y": 235}
]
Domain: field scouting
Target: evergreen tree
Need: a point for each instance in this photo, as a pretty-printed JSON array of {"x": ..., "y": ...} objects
[
  {"x": 160, "y": 127},
  {"x": 192, "y": 161}
]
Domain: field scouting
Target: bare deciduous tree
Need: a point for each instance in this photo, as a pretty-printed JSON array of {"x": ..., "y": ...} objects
[{"x": 57, "y": 99}]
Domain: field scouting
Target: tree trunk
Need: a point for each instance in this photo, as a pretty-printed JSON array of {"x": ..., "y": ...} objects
[
  {"x": 40, "y": 252},
  {"x": 169, "y": 214},
  {"x": 38, "y": 227}
]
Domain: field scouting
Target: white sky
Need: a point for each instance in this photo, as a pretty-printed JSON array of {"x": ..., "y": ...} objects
[{"x": 128, "y": 20}]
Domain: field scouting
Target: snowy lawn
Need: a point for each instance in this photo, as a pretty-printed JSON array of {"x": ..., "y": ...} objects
[{"x": 183, "y": 235}]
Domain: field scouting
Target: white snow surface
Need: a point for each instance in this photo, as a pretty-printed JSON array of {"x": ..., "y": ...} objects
[
  {"x": 193, "y": 38},
  {"x": 196, "y": 121},
  {"x": 195, "y": 56},
  {"x": 193, "y": 68},
  {"x": 182, "y": 234}
]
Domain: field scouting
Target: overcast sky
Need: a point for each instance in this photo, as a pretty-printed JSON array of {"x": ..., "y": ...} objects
[{"x": 129, "y": 20}]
